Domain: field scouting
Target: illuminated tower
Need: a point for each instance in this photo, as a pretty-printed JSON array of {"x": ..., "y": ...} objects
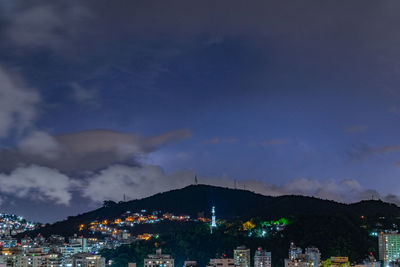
[{"x": 213, "y": 223}]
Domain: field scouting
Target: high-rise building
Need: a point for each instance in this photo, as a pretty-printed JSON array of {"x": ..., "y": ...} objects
[
  {"x": 241, "y": 255},
  {"x": 262, "y": 258},
  {"x": 296, "y": 257},
  {"x": 54, "y": 259},
  {"x": 35, "y": 258},
  {"x": 221, "y": 262},
  {"x": 87, "y": 260},
  {"x": 313, "y": 256},
  {"x": 79, "y": 241},
  {"x": 294, "y": 252},
  {"x": 389, "y": 247},
  {"x": 159, "y": 260}
]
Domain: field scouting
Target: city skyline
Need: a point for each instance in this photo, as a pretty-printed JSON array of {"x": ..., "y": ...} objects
[{"x": 112, "y": 101}]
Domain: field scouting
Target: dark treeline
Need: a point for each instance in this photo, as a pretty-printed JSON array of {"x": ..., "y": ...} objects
[
  {"x": 231, "y": 204},
  {"x": 334, "y": 235}
]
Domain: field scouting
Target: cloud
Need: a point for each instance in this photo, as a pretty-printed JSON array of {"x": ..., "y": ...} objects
[
  {"x": 395, "y": 110},
  {"x": 356, "y": 128},
  {"x": 18, "y": 104},
  {"x": 362, "y": 150},
  {"x": 218, "y": 140},
  {"x": 45, "y": 184},
  {"x": 184, "y": 156},
  {"x": 85, "y": 96},
  {"x": 134, "y": 182},
  {"x": 274, "y": 142},
  {"x": 86, "y": 150},
  {"x": 138, "y": 182},
  {"x": 38, "y": 183},
  {"x": 344, "y": 191},
  {"x": 42, "y": 144},
  {"x": 50, "y": 25}
]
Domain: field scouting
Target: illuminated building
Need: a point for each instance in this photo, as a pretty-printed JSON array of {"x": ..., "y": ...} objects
[
  {"x": 371, "y": 262},
  {"x": 36, "y": 258},
  {"x": 296, "y": 257},
  {"x": 8, "y": 242},
  {"x": 190, "y": 264},
  {"x": 241, "y": 255},
  {"x": 222, "y": 262},
  {"x": 313, "y": 256},
  {"x": 7, "y": 260},
  {"x": 296, "y": 263},
  {"x": 262, "y": 258},
  {"x": 39, "y": 240},
  {"x": 26, "y": 241},
  {"x": 340, "y": 262},
  {"x": 76, "y": 245},
  {"x": 87, "y": 260},
  {"x": 54, "y": 260},
  {"x": 56, "y": 240},
  {"x": 79, "y": 241},
  {"x": 159, "y": 260},
  {"x": 295, "y": 252},
  {"x": 389, "y": 247}
]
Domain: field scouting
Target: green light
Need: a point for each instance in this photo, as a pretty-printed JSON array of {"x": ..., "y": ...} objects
[{"x": 281, "y": 221}]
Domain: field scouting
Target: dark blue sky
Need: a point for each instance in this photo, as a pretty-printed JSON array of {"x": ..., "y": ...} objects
[{"x": 298, "y": 97}]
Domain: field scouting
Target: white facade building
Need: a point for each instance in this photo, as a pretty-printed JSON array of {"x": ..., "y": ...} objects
[
  {"x": 159, "y": 260},
  {"x": 241, "y": 255},
  {"x": 87, "y": 260},
  {"x": 262, "y": 258}
]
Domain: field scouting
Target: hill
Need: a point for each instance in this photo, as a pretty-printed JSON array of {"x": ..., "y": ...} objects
[{"x": 230, "y": 204}]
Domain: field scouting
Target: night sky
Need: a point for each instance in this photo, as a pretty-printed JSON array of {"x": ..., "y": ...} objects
[{"x": 104, "y": 98}]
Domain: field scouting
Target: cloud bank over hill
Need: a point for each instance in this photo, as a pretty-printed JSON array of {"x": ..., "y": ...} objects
[{"x": 104, "y": 165}]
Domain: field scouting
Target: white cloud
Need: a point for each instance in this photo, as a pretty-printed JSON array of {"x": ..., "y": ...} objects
[
  {"x": 38, "y": 183},
  {"x": 46, "y": 184},
  {"x": 40, "y": 143},
  {"x": 18, "y": 104},
  {"x": 86, "y": 150},
  {"x": 134, "y": 182}
]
